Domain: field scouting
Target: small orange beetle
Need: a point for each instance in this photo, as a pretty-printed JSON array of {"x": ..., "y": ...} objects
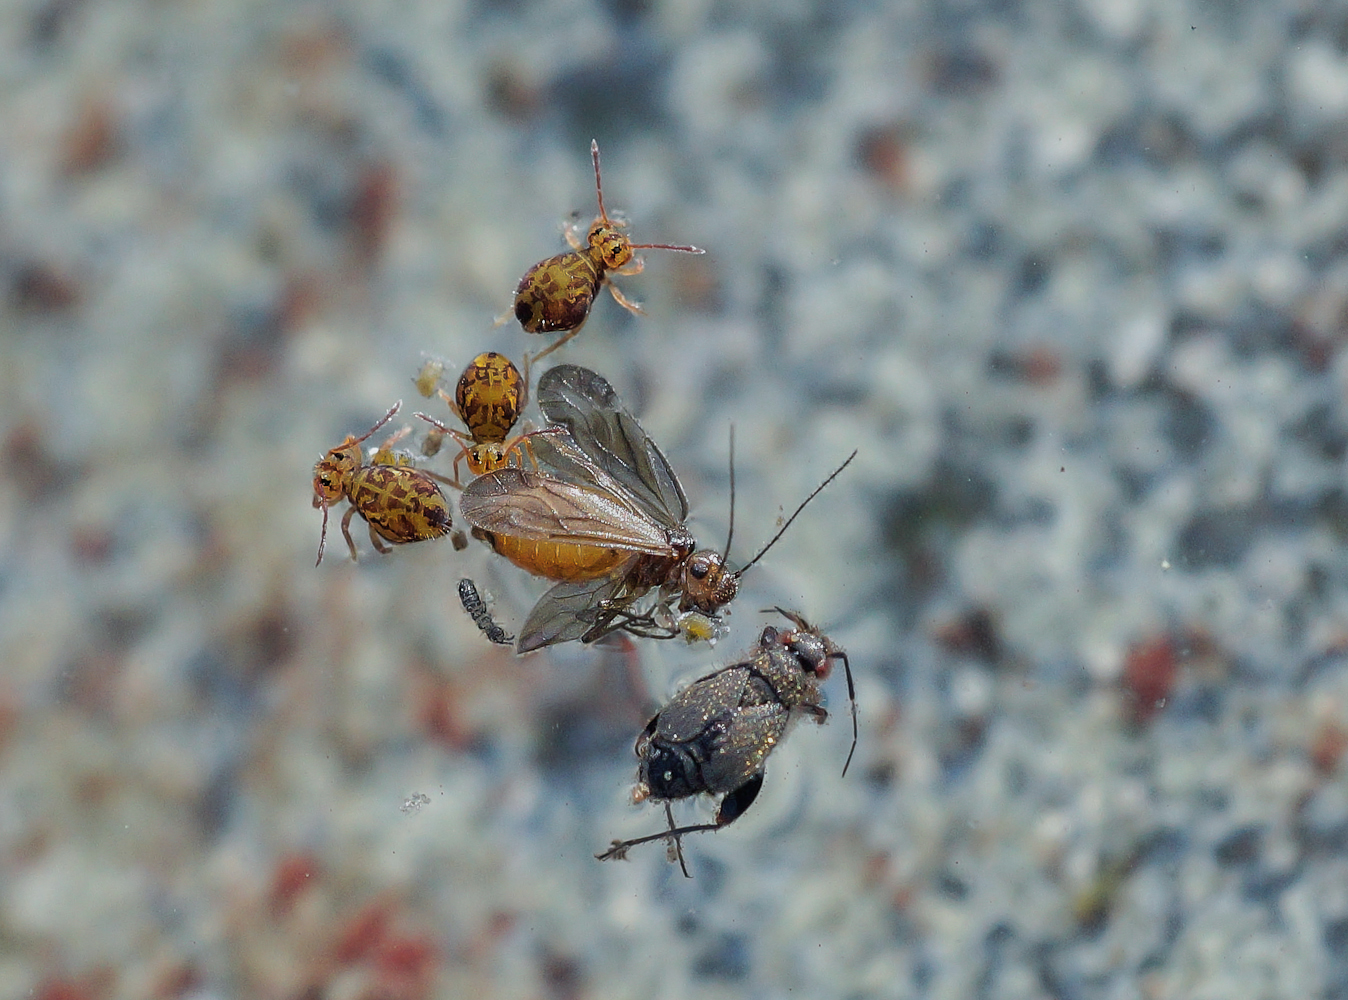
[
  {"x": 400, "y": 503},
  {"x": 555, "y": 295},
  {"x": 489, "y": 398}
]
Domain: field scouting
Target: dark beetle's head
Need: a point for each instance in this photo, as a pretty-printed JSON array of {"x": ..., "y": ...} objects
[{"x": 669, "y": 773}]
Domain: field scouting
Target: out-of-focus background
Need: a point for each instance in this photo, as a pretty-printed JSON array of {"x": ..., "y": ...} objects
[{"x": 1071, "y": 275}]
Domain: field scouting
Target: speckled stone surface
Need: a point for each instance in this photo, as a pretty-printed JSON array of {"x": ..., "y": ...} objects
[{"x": 1073, "y": 277}]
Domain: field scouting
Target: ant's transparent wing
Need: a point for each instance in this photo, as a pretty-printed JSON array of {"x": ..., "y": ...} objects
[
  {"x": 566, "y": 612},
  {"x": 610, "y": 437},
  {"x": 523, "y": 504}
]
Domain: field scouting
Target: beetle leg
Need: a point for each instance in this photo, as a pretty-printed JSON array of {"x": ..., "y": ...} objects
[
  {"x": 675, "y": 843},
  {"x": 441, "y": 479},
  {"x": 346, "y": 532},
  {"x": 571, "y": 231},
  {"x": 634, "y": 266},
  {"x": 323, "y": 538},
  {"x": 555, "y": 344},
  {"x": 624, "y": 301},
  {"x": 379, "y": 543},
  {"x": 618, "y": 849},
  {"x": 732, "y": 807},
  {"x": 737, "y": 802}
]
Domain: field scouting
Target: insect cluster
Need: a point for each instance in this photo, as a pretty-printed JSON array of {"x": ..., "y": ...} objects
[{"x": 588, "y": 501}]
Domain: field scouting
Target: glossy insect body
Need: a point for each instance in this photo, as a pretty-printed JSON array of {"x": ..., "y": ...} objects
[
  {"x": 477, "y": 610},
  {"x": 489, "y": 397},
  {"x": 555, "y": 295},
  {"x": 400, "y": 503},
  {"x": 606, "y": 520},
  {"x": 715, "y": 735}
]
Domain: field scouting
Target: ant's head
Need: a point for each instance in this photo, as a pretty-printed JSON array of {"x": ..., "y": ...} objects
[{"x": 707, "y": 585}]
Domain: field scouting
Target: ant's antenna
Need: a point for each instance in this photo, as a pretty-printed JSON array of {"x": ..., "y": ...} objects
[
  {"x": 731, "y": 533},
  {"x": 782, "y": 530}
]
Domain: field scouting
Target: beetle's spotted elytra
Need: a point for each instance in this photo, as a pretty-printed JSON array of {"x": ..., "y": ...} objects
[
  {"x": 400, "y": 503},
  {"x": 555, "y": 295},
  {"x": 489, "y": 397}
]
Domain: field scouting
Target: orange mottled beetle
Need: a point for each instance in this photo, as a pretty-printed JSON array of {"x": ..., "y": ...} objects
[
  {"x": 400, "y": 503},
  {"x": 606, "y": 520},
  {"x": 489, "y": 398},
  {"x": 555, "y": 295}
]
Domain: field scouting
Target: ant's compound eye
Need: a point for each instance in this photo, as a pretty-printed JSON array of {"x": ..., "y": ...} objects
[{"x": 698, "y": 570}]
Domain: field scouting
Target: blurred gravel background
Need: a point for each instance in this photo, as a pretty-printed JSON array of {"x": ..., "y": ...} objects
[{"x": 1071, "y": 274}]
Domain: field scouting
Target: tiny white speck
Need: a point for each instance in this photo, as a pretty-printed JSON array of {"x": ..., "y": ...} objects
[{"x": 414, "y": 803}]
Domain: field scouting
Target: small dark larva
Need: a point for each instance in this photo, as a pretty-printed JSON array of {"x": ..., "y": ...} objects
[{"x": 477, "y": 610}]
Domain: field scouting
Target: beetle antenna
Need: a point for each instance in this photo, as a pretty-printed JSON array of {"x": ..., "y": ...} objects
[
  {"x": 323, "y": 538},
  {"x": 618, "y": 849},
  {"x": 598, "y": 187},
  {"x": 666, "y": 246},
  {"x": 782, "y": 530},
  {"x": 382, "y": 421}
]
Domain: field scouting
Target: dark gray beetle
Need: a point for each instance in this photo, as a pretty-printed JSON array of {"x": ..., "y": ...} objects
[{"x": 715, "y": 735}]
